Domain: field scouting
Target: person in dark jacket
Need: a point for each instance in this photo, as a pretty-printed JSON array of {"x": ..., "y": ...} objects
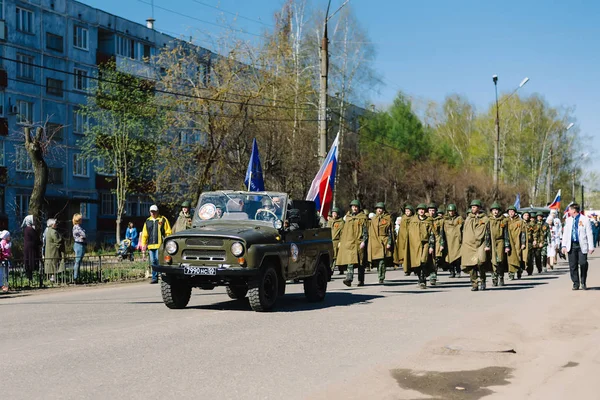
[{"x": 31, "y": 246}]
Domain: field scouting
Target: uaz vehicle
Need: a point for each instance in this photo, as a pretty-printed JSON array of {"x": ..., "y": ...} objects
[{"x": 250, "y": 242}]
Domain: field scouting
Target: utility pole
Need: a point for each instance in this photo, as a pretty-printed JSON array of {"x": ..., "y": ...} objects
[
  {"x": 549, "y": 177},
  {"x": 497, "y": 141},
  {"x": 323, "y": 90},
  {"x": 573, "y": 188},
  {"x": 582, "y": 199}
]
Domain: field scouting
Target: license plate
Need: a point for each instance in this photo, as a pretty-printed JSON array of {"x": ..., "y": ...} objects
[{"x": 189, "y": 270}]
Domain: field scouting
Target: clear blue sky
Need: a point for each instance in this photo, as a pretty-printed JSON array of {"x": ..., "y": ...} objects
[{"x": 430, "y": 49}]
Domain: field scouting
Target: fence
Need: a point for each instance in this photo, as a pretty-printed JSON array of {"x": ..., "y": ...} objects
[{"x": 59, "y": 272}]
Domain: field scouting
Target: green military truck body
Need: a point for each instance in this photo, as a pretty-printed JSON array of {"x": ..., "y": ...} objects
[{"x": 250, "y": 242}]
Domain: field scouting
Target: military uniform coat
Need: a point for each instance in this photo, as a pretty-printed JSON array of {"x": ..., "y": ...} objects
[
  {"x": 476, "y": 237},
  {"x": 184, "y": 221},
  {"x": 336, "y": 226},
  {"x": 380, "y": 236},
  {"x": 420, "y": 240},
  {"x": 401, "y": 247},
  {"x": 453, "y": 227},
  {"x": 353, "y": 234},
  {"x": 499, "y": 237},
  {"x": 528, "y": 229},
  {"x": 440, "y": 241},
  {"x": 517, "y": 238},
  {"x": 53, "y": 252}
]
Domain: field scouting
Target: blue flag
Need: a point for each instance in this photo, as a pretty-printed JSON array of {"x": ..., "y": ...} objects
[
  {"x": 518, "y": 201},
  {"x": 254, "y": 175}
]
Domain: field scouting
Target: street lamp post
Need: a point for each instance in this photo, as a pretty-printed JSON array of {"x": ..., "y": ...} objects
[{"x": 497, "y": 141}]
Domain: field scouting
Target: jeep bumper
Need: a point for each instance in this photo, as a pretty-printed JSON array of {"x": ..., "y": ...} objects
[{"x": 232, "y": 272}]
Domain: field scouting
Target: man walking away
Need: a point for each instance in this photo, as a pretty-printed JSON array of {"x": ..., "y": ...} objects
[{"x": 578, "y": 242}]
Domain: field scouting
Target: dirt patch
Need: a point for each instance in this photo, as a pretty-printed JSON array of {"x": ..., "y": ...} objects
[
  {"x": 570, "y": 364},
  {"x": 453, "y": 385}
]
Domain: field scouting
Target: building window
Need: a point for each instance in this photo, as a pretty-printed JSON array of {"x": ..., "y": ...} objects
[
  {"x": 23, "y": 161},
  {"x": 54, "y": 131},
  {"x": 2, "y": 159},
  {"x": 83, "y": 210},
  {"x": 193, "y": 137},
  {"x": 54, "y": 42},
  {"x": 55, "y": 176},
  {"x": 125, "y": 47},
  {"x": 81, "y": 79},
  {"x": 131, "y": 207},
  {"x": 81, "y": 122},
  {"x": 80, "y": 37},
  {"x": 22, "y": 206},
  {"x": 145, "y": 204},
  {"x": 105, "y": 168},
  {"x": 24, "y": 112},
  {"x": 108, "y": 204},
  {"x": 24, "y": 20},
  {"x": 54, "y": 87},
  {"x": 80, "y": 166},
  {"x": 2, "y": 201},
  {"x": 1, "y": 9},
  {"x": 24, "y": 66},
  {"x": 1, "y": 102}
]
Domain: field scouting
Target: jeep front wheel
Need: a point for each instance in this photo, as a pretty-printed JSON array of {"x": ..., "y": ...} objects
[
  {"x": 176, "y": 293},
  {"x": 315, "y": 287},
  {"x": 263, "y": 291},
  {"x": 236, "y": 292}
]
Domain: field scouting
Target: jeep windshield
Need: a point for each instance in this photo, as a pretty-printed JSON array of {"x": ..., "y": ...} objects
[{"x": 263, "y": 207}]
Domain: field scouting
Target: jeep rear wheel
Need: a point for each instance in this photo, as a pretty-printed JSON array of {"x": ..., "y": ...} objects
[
  {"x": 315, "y": 287},
  {"x": 176, "y": 293},
  {"x": 236, "y": 292},
  {"x": 263, "y": 291}
]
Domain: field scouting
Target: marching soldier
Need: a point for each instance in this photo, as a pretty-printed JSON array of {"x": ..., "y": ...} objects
[
  {"x": 353, "y": 241},
  {"x": 527, "y": 258},
  {"x": 336, "y": 223},
  {"x": 401, "y": 247},
  {"x": 517, "y": 237},
  {"x": 440, "y": 242},
  {"x": 541, "y": 243},
  {"x": 421, "y": 245},
  {"x": 475, "y": 246},
  {"x": 500, "y": 244},
  {"x": 381, "y": 240},
  {"x": 453, "y": 227}
]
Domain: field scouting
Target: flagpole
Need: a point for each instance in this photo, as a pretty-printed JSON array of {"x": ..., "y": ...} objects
[
  {"x": 325, "y": 197},
  {"x": 250, "y": 181}
]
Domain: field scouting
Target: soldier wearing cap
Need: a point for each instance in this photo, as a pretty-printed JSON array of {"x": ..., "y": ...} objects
[
  {"x": 401, "y": 247},
  {"x": 421, "y": 245},
  {"x": 500, "y": 244},
  {"x": 184, "y": 219},
  {"x": 381, "y": 240},
  {"x": 527, "y": 254},
  {"x": 439, "y": 252},
  {"x": 353, "y": 242},
  {"x": 517, "y": 237},
  {"x": 453, "y": 227},
  {"x": 476, "y": 246},
  {"x": 541, "y": 243},
  {"x": 336, "y": 223}
]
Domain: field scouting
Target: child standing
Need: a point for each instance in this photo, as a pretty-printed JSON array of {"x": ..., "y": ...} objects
[{"x": 5, "y": 256}]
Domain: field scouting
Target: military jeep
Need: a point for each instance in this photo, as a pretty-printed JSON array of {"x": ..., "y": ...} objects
[{"x": 250, "y": 242}]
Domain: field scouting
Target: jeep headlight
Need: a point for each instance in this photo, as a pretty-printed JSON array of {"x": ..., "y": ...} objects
[
  {"x": 237, "y": 249},
  {"x": 171, "y": 247}
]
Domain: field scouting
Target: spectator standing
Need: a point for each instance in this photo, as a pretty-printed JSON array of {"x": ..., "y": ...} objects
[
  {"x": 79, "y": 244},
  {"x": 131, "y": 233},
  {"x": 53, "y": 250},
  {"x": 156, "y": 228},
  {"x": 578, "y": 242},
  {"x": 31, "y": 246},
  {"x": 5, "y": 257}
]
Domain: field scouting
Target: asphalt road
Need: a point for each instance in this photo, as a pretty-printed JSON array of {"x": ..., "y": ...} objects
[{"x": 121, "y": 342}]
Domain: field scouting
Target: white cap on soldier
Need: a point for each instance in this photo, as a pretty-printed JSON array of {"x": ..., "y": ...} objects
[{"x": 153, "y": 207}]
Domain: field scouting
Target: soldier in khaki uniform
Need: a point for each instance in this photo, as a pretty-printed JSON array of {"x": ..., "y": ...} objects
[
  {"x": 353, "y": 241},
  {"x": 401, "y": 247},
  {"x": 380, "y": 240},
  {"x": 440, "y": 242},
  {"x": 541, "y": 243},
  {"x": 421, "y": 245},
  {"x": 530, "y": 234},
  {"x": 476, "y": 246},
  {"x": 336, "y": 223},
  {"x": 517, "y": 237},
  {"x": 500, "y": 244},
  {"x": 453, "y": 227}
]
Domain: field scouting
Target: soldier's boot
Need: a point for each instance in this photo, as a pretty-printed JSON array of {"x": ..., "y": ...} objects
[
  {"x": 452, "y": 273},
  {"x": 474, "y": 283},
  {"x": 511, "y": 276},
  {"x": 347, "y": 282},
  {"x": 519, "y": 274},
  {"x": 501, "y": 280},
  {"x": 361, "y": 284},
  {"x": 494, "y": 279},
  {"x": 433, "y": 279},
  {"x": 482, "y": 283},
  {"x": 422, "y": 279}
]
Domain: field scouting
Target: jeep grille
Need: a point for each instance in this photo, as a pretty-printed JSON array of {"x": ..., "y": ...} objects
[
  {"x": 199, "y": 241},
  {"x": 204, "y": 255}
]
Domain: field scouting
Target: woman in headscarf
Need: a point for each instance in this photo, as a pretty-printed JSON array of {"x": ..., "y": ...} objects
[
  {"x": 31, "y": 246},
  {"x": 54, "y": 250}
]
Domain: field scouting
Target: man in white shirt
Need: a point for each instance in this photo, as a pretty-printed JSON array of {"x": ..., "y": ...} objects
[{"x": 578, "y": 242}]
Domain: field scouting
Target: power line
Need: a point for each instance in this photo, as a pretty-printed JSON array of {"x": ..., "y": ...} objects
[
  {"x": 232, "y": 13},
  {"x": 155, "y": 89}
]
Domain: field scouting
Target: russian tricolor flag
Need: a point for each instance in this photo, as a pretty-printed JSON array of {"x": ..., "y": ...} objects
[
  {"x": 321, "y": 189},
  {"x": 555, "y": 205}
]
